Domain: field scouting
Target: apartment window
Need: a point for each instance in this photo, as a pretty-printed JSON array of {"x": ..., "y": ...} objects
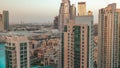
[
  {"x": 82, "y": 52},
  {"x": 83, "y": 27},
  {"x": 13, "y": 44},
  {"x": 9, "y": 43},
  {"x": 83, "y": 31},
  {"x": 82, "y": 56},
  {"x": 82, "y": 66}
]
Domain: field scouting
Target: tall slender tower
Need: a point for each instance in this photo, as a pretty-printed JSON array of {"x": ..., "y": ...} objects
[
  {"x": 86, "y": 42},
  {"x": 64, "y": 13},
  {"x": 64, "y": 17},
  {"x": 1, "y": 23},
  {"x": 109, "y": 36},
  {"x": 6, "y": 20}
]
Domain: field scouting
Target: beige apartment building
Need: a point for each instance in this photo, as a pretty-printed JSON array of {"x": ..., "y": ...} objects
[
  {"x": 17, "y": 52},
  {"x": 76, "y": 46},
  {"x": 109, "y": 36}
]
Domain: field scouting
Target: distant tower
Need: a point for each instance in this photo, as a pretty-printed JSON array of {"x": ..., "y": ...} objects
[
  {"x": 56, "y": 24},
  {"x": 81, "y": 8},
  {"x": 6, "y": 20},
  {"x": 90, "y": 13},
  {"x": 72, "y": 12},
  {"x": 76, "y": 46},
  {"x": 64, "y": 17},
  {"x": 1, "y": 23}
]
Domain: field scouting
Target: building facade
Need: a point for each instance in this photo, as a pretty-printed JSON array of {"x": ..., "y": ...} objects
[
  {"x": 76, "y": 46},
  {"x": 17, "y": 52},
  {"x": 108, "y": 35}
]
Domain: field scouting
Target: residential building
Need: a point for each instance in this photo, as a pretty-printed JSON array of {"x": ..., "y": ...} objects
[
  {"x": 109, "y": 36},
  {"x": 17, "y": 52},
  {"x": 78, "y": 43},
  {"x": 76, "y": 46},
  {"x": 88, "y": 20},
  {"x": 81, "y": 8}
]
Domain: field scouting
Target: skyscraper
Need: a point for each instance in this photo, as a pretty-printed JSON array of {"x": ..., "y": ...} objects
[
  {"x": 72, "y": 12},
  {"x": 89, "y": 43},
  {"x": 17, "y": 52},
  {"x": 6, "y": 20},
  {"x": 76, "y": 45},
  {"x": 81, "y": 8},
  {"x": 64, "y": 14},
  {"x": 64, "y": 17},
  {"x": 56, "y": 23},
  {"x": 109, "y": 36},
  {"x": 1, "y": 23}
]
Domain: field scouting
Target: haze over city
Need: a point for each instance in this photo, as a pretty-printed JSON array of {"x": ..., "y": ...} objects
[{"x": 43, "y": 11}]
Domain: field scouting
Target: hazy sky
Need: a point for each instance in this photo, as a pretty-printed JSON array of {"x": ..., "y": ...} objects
[{"x": 44, "y": 10}]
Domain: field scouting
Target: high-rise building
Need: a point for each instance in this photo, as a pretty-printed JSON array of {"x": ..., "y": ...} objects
[
  {"x": 81, "y": 8},
  {"x": 6, "y": 20},
  {"x": 76, "y": 45},
  {"x": 1, "y": 23},
  {"x": 109, "y": 36},
  {"x": 72, "y": 12},
  {"x": 88, "y": 20},
  {"x": 17, "y": 52},
  {"x": 64, "y": 17},
  {"x": 56, "y": 23},
  {"x": 78, "y": 42}
]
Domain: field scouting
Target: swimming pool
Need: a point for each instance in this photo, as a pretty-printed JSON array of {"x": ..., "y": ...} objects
[{"x": 2, "y": 55}]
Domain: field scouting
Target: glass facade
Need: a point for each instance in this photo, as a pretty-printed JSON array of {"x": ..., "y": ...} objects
[{"x": 77, "y": 46}]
